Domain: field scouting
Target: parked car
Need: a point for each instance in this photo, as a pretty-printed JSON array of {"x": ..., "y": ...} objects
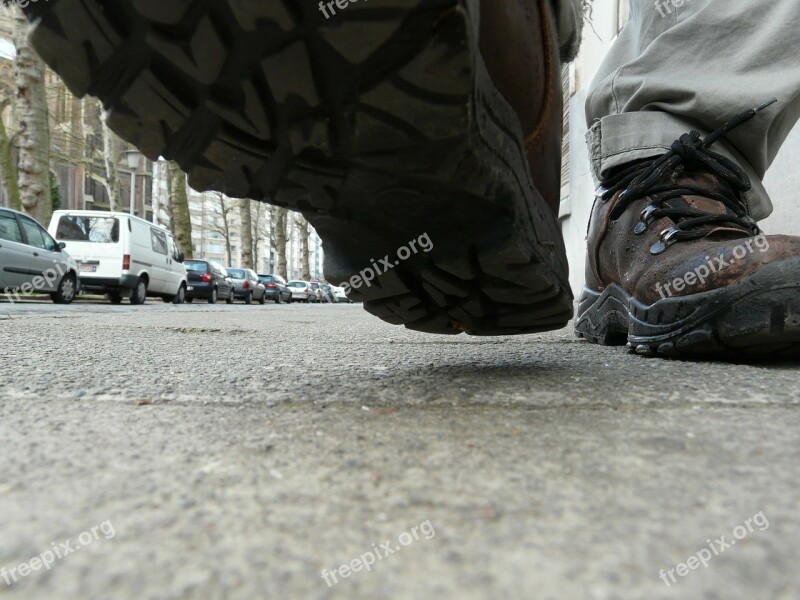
[
  {"x": 339, "y": 294},
  {"x": 246, "y": 285},
  {"x": 327, "y": 293},
  {"x": 317, "y": 295},
  {"x": 276, "y": 288},
  {"x": 208, "y": 280},
  {"x": 301, "y": 290},
  {"x": 32, "y": 261},
  {"x": 122, "y": 255}
]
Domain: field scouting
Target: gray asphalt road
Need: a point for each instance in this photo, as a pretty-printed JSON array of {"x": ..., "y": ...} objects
[{"x": 236, "y": 452}]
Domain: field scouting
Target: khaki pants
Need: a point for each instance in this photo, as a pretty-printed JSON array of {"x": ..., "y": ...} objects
[{"x": 676, "y": 69}]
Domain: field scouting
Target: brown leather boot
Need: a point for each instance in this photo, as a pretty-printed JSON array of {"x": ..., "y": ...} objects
[
  {"x": 387, "y": 123},
  {"x": 677, "y": 267}
]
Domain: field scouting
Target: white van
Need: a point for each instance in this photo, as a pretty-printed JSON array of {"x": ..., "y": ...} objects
[{"x": 122, "y": 255}]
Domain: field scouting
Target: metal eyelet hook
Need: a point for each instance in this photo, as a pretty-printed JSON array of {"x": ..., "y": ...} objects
[
  {"x": 646, "y": 218},
  {"x": 667, "y": 239}
]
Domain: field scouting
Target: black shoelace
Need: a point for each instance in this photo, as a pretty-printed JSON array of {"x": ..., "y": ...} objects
[{"x": 651, "y": 178}]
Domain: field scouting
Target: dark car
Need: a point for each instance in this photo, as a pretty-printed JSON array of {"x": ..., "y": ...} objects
[
  {"x": 207, "y": 280},
  {"x": 276, "y": 288}
]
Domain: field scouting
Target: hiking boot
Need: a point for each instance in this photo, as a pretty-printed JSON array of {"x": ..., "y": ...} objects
[
  {"x": 378, "y": 121},
  {"x": 677, "y": 266}
]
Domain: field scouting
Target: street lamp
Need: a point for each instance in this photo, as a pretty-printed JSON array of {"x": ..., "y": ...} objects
[{"x": 133, "y": 157}]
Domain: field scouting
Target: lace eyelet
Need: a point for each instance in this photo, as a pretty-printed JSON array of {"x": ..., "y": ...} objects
[
  {"x": 646, "y": 218},
  {"x": 667, "y": 239}
]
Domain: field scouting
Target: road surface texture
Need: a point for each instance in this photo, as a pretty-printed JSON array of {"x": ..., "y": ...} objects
[{"x": 237, "y": 451}]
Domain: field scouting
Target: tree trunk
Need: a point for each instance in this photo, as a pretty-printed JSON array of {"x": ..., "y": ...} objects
[
  {"x": 34, "y": 132},
  {"x": 110, "y": 158},
  {"x": 8, "y": 169},
  {"x": 258, "y": 217},
  {"x": 77, "y": 186},
  {"x": 305, "y": 257},
  {"x": 225, "y": 230},
  {"x": 179, "y": 201},
  {"x": 246, "y": 221},
  {"x": 280, "y": 240}
]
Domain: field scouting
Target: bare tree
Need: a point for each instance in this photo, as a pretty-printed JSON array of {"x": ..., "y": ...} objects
[
  {"x": 8, "y": 169},
  {"x": 246, "y": 223},
  {"x": 303, "y": 230},
  {"x": 179, "y": 203},
  {"x": 221, "y": 221},
  {"x": 281, "y": 221},
  {"x": 34, "y": 130},
  {"x": 258, "y": 212},
  {"x": 111, "y": 156}
]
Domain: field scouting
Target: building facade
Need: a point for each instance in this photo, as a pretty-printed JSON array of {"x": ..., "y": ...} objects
[{"x": 216, "y": 221}]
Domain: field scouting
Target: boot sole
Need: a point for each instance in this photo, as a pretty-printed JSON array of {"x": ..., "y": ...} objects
[
  {"x": 380, "y": 125},
  {"x": 757, "y": 317}
]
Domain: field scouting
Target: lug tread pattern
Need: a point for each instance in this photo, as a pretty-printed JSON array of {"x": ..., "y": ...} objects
[
  {"x": 386, "y": 100},
  {"x": 764, "y": 325}
]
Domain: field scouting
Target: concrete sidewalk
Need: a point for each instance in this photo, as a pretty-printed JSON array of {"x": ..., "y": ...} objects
[{"x": 239, "y": 451}]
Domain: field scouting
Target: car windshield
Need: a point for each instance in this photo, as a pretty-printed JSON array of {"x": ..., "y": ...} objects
[
  {"x": 266, "y": 278},
  {"x": 97, "y": 230},
  {"x": 297, "y": 284},
  {"x": 237, "y": 273},
  {"x": 195, "y": 266}
]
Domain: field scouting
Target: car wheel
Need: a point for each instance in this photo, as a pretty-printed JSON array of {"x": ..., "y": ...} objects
[
  {"x": 230, "y": 298},
  {"x": 249, "y": 298},
  {"x": 180, "y": 297},
  {"x": 212, "y": 299},
  {"x": 65, "y": 293},
  {"x": 139, "y": 293},
  {"x": 263, "y": 299}
]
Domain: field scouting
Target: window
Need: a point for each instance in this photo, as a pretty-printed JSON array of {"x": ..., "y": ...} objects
[
  {"x": 9, "y": 229},
  {"x": 37, "y": 237},
  {"x": 159, "y": 241},
  {"x": 196, "y": 266},
  {"x": 98, "y": 230}
]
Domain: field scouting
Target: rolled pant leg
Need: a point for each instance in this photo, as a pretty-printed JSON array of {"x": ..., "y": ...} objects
[{"x": 676, "y": 69}]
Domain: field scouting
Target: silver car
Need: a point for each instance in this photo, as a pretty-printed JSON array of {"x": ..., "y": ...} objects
[
  {"x": 246, "y": 285},
  {"x": 301, "y": 291},
  {"x": 31, "y": 261}
]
